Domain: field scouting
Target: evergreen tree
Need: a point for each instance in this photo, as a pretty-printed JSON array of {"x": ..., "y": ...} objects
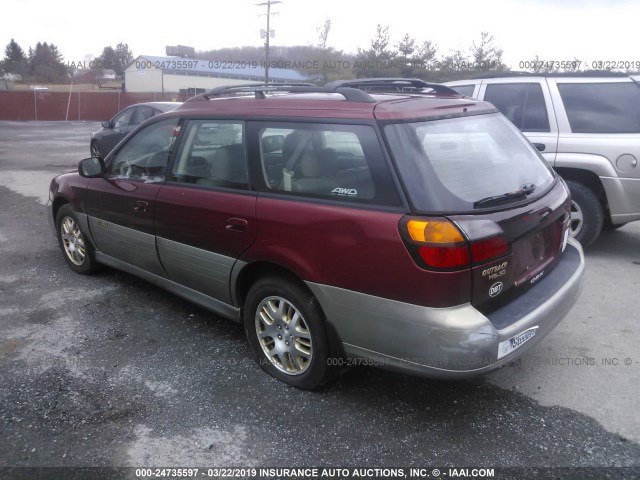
[
  {"x": 45, "y": 64},
  {"x": 378, "y": 60},
  {"x": 14, "y": 58}
]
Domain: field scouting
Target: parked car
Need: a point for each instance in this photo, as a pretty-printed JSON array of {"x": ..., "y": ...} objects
[
  {"x": 587, "y": 128},
  {"x": 125, "y": 121},
  {"x": 413, "y": 231}
]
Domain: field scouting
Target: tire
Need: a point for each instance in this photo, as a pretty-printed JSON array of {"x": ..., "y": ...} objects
[
  {"x": 76, "y": 248},
  {"x": 280, "y": 314},
  {"x": 587, "y": 217}
]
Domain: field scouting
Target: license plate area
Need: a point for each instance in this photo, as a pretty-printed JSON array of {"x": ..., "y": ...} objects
[
  {"x": 507, "y": 346},
  {"x": 534, "y": 252}
]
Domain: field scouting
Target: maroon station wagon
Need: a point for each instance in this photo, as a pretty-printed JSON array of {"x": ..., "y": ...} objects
[{"x": 387, "y": 222}]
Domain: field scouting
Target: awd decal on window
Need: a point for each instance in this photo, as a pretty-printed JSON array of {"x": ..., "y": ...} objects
[{"x": 347, "y": 192}]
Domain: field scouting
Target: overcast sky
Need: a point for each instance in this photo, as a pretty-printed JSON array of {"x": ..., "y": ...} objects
[{"x": 590, "y": 30}]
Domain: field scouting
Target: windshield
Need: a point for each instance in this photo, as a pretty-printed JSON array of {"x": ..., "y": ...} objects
[{"x": 450, "y": 165}]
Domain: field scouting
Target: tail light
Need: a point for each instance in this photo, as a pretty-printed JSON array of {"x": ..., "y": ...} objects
[{"x": 438, "y": 243}]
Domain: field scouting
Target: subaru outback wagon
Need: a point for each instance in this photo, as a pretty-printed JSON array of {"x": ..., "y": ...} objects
[{"x": 390, "y": 221}]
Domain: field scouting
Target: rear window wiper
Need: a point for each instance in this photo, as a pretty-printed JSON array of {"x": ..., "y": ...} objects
[{"x": 505, "y": 197}]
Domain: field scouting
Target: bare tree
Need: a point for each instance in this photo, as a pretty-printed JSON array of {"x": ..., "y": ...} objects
[{"x": 323, "y": 34}]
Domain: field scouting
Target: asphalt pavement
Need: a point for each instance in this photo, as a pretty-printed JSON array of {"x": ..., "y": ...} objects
[{"x": 108, "y": 370}]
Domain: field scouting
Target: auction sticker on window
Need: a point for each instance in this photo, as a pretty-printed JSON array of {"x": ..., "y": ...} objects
[{"x": 515, "y": 342}]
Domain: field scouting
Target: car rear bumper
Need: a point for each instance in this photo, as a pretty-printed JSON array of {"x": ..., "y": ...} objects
[{"x": 449, "y": 342}]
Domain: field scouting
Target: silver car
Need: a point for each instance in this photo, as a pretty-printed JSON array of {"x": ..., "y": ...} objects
[{"x": 587, "y": 128}]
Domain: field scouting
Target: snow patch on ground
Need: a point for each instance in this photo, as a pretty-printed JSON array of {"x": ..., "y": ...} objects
[
  {"x": 203, "y": 446},
  {"x": 45, "y": 344},
  {"x": 30, "y": 183},
  {"x": 42, "y": 345},
  {"x": 161, "y": 389}
]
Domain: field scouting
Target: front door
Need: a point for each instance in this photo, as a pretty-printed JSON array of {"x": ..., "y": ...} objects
[{"x": 121, "y": 206}]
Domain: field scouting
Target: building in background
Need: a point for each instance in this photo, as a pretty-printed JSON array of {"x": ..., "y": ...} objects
[{"x": 187, "y": 75}]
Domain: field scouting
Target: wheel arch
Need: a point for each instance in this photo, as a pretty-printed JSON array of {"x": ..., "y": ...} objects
[
  {"x": 589, "y": 180},
  {"x": 57, "y": 203},
  {"x": 252, "y": 272}
]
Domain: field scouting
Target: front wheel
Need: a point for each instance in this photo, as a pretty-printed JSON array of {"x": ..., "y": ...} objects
[
  {"x": 285, "y": 327},
  {"x": 77, "y": 250},
  {"x": 586, "y": 213}
]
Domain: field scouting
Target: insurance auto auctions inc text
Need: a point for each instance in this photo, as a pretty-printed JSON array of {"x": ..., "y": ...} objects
[{"x": 375, "y": 473}]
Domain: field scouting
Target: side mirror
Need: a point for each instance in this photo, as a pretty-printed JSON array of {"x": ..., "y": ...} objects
[
  {"x": 91, "y": 167},
  {"x": 106, "y": 124}
]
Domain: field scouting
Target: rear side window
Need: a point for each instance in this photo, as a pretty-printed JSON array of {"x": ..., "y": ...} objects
[
  {"x": 448, "y": 165},
  {"x": 522, "y": 103},
  {"x": 602, "y": 107},
  {"x": 212, "y": 155},
  {"x": 340, "y": 162},
  {"x": 141, "y": 114},
  {"x": 466, "y": 90}
]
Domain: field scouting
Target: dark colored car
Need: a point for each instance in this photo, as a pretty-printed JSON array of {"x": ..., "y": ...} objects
[
  {"x": 410, "y": 230},
  {"x": 125, "y": 121}
]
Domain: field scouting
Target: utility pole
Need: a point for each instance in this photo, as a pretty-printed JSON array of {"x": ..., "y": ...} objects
[{"x": 267, "y": 35}]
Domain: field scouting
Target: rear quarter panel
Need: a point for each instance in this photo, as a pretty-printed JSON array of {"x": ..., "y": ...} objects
[{"x": 358, "y": 249}]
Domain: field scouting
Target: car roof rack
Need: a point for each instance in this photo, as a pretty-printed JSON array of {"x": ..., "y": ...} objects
[
  {"x": 259, "y": 88},
  {"x": 352, "y": 90},
  {"x": 391, "y": 85}
]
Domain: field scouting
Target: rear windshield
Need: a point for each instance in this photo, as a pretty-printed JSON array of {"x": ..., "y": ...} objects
[
  {"x": 602, "y": 107},
  {"x": 450, "y": 165}
]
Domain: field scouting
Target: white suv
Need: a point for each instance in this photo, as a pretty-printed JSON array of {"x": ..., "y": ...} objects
[{"x": 587, "y": 128}]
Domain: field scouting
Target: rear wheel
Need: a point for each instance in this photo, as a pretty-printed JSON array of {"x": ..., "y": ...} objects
[
  {"x": 77, "y": 250},
  {"x": 586, "y": 213},
  {"x": 285, "y": 327}
]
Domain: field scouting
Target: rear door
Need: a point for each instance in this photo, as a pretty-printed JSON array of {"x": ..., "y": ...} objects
[
  {"x": 205, "y": 214},
  {"x": 121, "y": 206},
  {"x": 527, "y": 104}
]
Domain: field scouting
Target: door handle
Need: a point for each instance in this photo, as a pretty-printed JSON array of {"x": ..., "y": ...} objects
[
  {"x": 141, "y": 206},
  {"x": 540, "y": 146},
  {"x": 236, "y": 224}
]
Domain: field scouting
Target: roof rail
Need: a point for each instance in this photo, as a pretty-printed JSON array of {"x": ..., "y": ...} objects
[
  {"x": 406, "y": 85},
  {"x": 352, "y": 90},
  {"x": 259, "y": 88}
]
